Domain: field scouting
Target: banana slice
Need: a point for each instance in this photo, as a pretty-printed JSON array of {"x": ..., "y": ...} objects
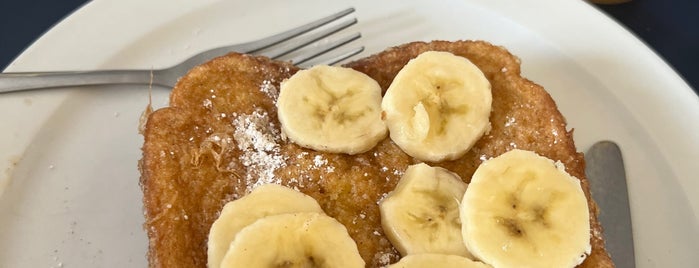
[
  {"x": 332, "y": 109},
  {"x": 437, "y": 106},
  {"x": 437, "y": 260},
  {"x": 293, "y": 240},
  {"x": 421, "y": 215},
  {"x": 524, "y": 210},
  {"x": 265, "y": 200}
]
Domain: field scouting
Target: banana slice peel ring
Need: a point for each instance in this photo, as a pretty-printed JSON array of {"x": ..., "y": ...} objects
[
  {"x": 331, "y": 109},
  {"x": 437, "y": 106},
  {"x": 263, "y": 201},
  {"x": 294, "y": 240},
  {"x": 421, "y": 215},
  {"x": 524, "y": 210}
]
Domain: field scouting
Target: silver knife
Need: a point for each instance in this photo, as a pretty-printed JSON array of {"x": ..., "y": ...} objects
[{"x": 605, "y": 172}]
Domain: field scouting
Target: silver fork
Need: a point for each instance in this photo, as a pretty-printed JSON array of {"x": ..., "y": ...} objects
[{"x": 274, "y": 47}]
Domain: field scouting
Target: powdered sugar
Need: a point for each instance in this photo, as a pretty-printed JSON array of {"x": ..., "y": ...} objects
[
  {"x": 384, "y": 258},
  {"x": 207, "y": 103},
  {"x": 270, "y": 89},
  {"x": 483, "y": 157},
  {"x": 319, "y": 161},
  {"x": 381, "y": 198},
  {"x": 257, "y": 137},
  {"x": 554, "y": 132},
  {"x": 510, "y": 121}
]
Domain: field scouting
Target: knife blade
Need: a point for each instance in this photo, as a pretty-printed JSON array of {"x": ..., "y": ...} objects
[{"x": 607, "y": 177}]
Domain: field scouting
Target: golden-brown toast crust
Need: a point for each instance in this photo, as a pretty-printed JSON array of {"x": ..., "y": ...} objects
[{"x": 192, "y": 162}]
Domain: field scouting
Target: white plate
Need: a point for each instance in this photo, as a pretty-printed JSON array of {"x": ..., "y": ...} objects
[{"x": 69, "y": 156}]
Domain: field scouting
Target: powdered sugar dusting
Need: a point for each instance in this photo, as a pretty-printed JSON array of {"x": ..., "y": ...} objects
[
  {"x": 381, "y": 198},
  {"x": 510, "y": 121},
  {"x": 207, "y": 103},
  {"x": 319, "y": 161},
  {"x": 270, "y": 90},
  {"x": 384, "y": 258},
  {"x": 257, "y": 137},
  {"x": 513, "y": 145}
]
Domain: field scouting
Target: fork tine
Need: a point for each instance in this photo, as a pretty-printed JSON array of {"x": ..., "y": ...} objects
[
  {"x": 343, "y": 56},
  {"x": 306, "y": 40},
  {"x": 325, "y": 48},
  {"x": 172, "y": 74},
  {"x": 277, "y": 38}
]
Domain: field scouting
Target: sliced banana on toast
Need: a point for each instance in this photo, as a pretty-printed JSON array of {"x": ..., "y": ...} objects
[
  {"x": 437, "y": 260},
  {"x": 293, "y": 240},
  {"x": 437, "y": 106},
  {"x": 421, "y": 215},
  {"x": 332, "y": 109},
  {"x": 524, "y": 210},
  {"x": 265, "y": 200}
]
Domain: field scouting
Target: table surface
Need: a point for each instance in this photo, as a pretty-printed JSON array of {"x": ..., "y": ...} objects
[{"x": 668, "y": 26}]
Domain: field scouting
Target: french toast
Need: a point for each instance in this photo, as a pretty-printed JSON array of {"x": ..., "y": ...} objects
[{"x": 220, "y": 136}]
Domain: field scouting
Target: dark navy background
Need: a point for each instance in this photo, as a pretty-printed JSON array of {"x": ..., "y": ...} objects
[{"x": 670, "y": 27}]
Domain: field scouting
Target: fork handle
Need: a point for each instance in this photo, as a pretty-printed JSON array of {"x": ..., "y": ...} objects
[{"x": 10, "y": 82}]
